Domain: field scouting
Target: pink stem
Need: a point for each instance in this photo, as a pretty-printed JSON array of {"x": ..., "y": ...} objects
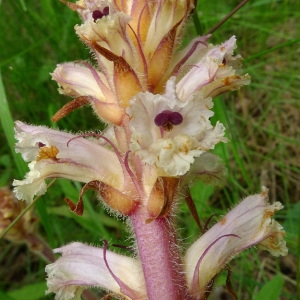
[{"x": 159, "y": 254}]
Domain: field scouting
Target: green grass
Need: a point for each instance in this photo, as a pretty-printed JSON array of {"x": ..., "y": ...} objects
[{"x": 262, "y": 121}]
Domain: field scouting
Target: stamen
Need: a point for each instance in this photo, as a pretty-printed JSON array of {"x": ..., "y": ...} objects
[
  {"x": 97, "y": 14},
  {"x": 167, "y": 119},
  {"x": 40, "y": 145},
  {"x": 176, "y": 118},
  {"x": 106, "y": 11},
  {"x": 161, "y": 119}
]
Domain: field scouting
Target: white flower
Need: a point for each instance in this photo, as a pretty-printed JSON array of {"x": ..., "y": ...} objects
[
  {"x": 246, "y": 225},
  {"x": 53, "y": 153},
  {"x": 83, "y": 81},
  {"x": 212, "y": 73},
  {"x": 169, "y": 133},
  {"x": 82, "y": 266}
]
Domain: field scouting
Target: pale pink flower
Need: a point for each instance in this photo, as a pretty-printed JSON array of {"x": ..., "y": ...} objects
[
  {"x": 82, "y": 266},
  {"x": 246, "y": 225}
]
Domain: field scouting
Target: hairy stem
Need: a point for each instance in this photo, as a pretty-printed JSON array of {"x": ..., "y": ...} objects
[{"x": 158, "y": 252}]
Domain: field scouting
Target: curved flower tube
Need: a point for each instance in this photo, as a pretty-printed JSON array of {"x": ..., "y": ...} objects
[
  {"x": 214, "y": 72},
  {"x": 82, "y": 80},
  {"x": 246, "y": 225},
  {"x": 53, "y": 153},
  {"x": 82, "y": 266}
]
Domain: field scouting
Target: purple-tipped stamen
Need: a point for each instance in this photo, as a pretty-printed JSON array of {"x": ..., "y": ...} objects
[
  {"x": 106, "y": 11},
  {"x": 97, "y": 14},
  {"x": 175, "y": 118},
  {"x": 167, "y": 119},
  {"x": 40, "y": 144}
]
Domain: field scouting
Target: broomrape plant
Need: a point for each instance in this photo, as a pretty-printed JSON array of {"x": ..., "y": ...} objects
[{"x": 157, "y": 104}]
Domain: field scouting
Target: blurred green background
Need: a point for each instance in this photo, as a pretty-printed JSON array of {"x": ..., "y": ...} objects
[{"x": 262, "y": 121}]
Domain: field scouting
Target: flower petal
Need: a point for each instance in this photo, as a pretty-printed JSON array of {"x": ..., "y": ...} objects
[
  {"x": 77, "y": 159},
  {"x": 82, "y": 266},
  {"x": 214, "y": 73},
  {"x": 246, "y": 225},
  {"x": 172, "y": 149},
  {"x": 82, "y": 80}
]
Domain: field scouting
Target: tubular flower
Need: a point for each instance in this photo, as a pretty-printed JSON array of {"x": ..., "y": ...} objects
[
  {"x": 168, "y": 132},
  {"x": 213, "y": 73},
  {"x": 82, "y": 266},
  {"x": 55, "y": 154},
  {"x": 246, "y": 225},
  {"x": 87, "y": 85}
]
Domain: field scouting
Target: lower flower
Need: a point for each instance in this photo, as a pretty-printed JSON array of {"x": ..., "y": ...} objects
[
  {"x": 246, "y": 225},
  {"x": 82, "y": 266}
]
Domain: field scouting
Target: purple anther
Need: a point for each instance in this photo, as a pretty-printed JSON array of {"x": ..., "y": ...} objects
[
  {"x": 97, "y": 14},
  {"x": 167, "y": 116},
  {"x": 40, "y": 145},
  {"x": 162, "y": 118},
  {"x": 106, "y": 11},
  {"x": 175, "y": 118}
]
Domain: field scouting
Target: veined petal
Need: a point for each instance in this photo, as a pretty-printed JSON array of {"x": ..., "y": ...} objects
[
  {"x": 164, "y": 15},
  {"x": 246, "y": 225},
  {"x": 78, "y": 80},
  {"x": 82, "y": 266},
  {"x": 110, "y": 32},
  {"x": 54, "y": 153},
  {"x": 214, "y": 73}
]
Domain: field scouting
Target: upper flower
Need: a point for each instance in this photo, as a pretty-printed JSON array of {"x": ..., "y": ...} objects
[
  {"x": 135, "y": 46},
  {"x": 159, "y": 99}
]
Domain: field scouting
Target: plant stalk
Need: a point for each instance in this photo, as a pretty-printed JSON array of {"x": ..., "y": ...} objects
[{"x": 159, "y": 254}]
